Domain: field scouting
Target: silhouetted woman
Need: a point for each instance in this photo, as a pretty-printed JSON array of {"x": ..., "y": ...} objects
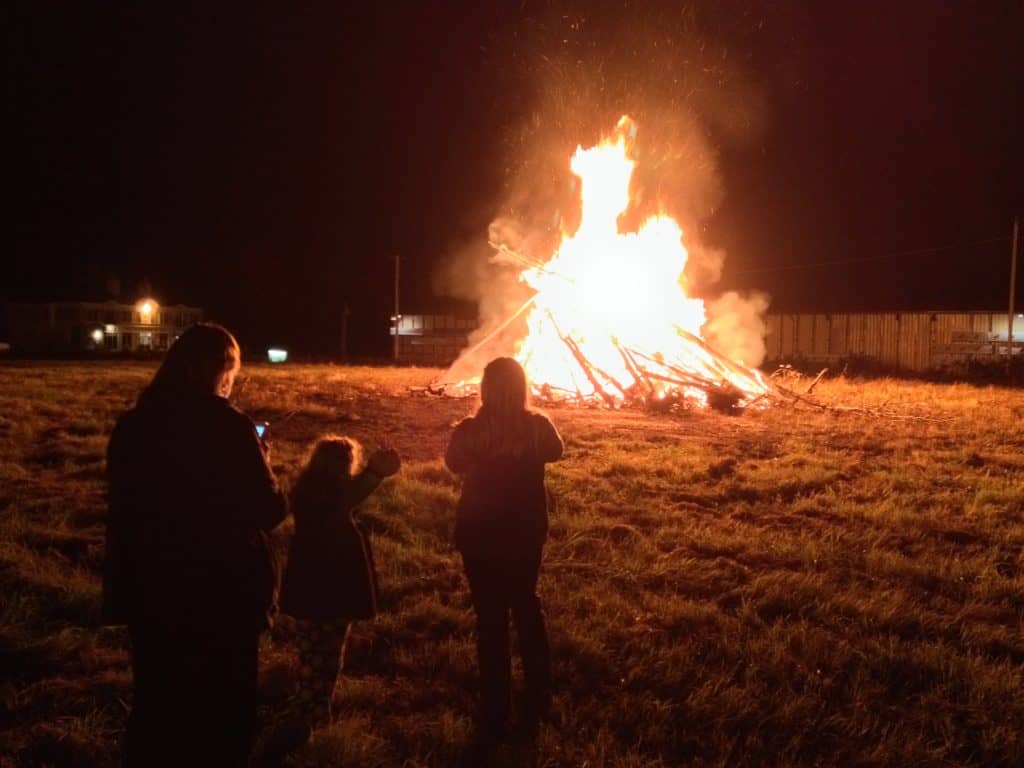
[
  {"x": 501, "y": 524},
  {"x": 188, "y": 567}
]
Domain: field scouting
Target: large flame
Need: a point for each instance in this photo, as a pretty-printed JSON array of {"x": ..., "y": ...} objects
[{"x": 611, "y": 312}]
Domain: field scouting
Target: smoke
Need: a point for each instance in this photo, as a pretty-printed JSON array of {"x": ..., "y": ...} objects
[
  {"x": 470, "y": 272},
  {"x": 581, "y": 66},
  {"x": 735, "y": 326}
]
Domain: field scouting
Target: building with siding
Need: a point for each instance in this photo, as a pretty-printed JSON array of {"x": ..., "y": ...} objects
[
  {"x": 916, "y": 341},
  {"x": 99, "y": 327},
  {"x": 432, "y": 339}
]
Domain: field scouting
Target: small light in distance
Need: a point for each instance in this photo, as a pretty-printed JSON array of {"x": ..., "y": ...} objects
[
  {"x": 276, "y": 355},
  {"x": 110, "y": 328},
  {"x": 97, "y": 336}
]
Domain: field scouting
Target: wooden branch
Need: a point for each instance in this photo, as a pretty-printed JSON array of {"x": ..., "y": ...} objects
[
  {"x": 722, "y": 359},
  {"x": 695, "y": 379},
  {"x": 585, "y": 365},
  {"x": 813, "y": 384},
  {"x": 640, "y": 371},
  {"x": 601, "y": 371}
]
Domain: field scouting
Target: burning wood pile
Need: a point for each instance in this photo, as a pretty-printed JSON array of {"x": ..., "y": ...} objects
[{"x": 610, "y": 321}]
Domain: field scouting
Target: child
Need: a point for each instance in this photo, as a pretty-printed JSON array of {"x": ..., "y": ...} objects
[
  {"x": 501, "y": 524},
  {"x": 329, "y": 579}
]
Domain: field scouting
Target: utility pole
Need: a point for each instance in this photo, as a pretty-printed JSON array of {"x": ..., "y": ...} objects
[
  {"x": 1013, "y": 290},
  {"x": 397, "y": 318}
]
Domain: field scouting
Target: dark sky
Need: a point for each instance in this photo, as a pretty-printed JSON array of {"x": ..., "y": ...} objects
[{"x": 266, "y": 164}]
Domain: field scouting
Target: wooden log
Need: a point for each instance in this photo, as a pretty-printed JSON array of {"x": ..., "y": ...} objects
[
  {"x": 813, "y": 384},
  {"x": 584, "y": 364},
  {"x": 693, "y": 379},
  {"x": 614, "y": 382},
  {"x": 634, "y": 368},
  {"x": 671, "y": 380},
  {"x": 718, "y": 356}
]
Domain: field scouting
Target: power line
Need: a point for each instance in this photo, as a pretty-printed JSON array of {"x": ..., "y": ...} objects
[{"x": 896, "y": 254}]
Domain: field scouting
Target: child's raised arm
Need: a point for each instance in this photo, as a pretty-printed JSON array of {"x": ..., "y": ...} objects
[{"x": 382, "y": 463}]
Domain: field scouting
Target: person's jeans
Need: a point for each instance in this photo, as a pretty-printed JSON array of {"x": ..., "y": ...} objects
[
  {"x": 193, "y": 699},
  {"x": 498, "y": 587}
]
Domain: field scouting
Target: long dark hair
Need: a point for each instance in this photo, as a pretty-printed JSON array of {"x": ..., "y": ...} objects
[
  {"x": 502, "y": 424},
  {"x": 194, "y": 364}
]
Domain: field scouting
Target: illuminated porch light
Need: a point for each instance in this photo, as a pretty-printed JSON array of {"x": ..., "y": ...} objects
[
  {"x": 109, "y": 328},
  {"x": 97, "y": 336},
  {"x": 146, "y": 309}
]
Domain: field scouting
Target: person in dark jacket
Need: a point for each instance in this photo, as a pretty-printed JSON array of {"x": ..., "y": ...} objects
[
  {"x": 501, "y": 524},
  {"x": 187, "y": 566},
  {"x": 329, "y": 579}
]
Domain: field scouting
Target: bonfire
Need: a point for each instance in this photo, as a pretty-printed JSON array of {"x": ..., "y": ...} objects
[{"x": 609, "y": 320}]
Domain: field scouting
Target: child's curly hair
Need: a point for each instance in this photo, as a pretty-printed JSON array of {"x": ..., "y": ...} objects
[{"x": 332, "y": 460}]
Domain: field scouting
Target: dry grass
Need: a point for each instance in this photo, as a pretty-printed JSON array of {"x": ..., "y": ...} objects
[{"x": 789, "y": 587}]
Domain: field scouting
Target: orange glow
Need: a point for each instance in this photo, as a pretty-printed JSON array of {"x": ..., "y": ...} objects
[
  {"x": 619, "y": 298},
  {"x": 146, "y": 308}
]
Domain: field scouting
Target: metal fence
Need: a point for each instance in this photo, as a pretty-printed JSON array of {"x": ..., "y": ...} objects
[{"x": 916, "y": 341}]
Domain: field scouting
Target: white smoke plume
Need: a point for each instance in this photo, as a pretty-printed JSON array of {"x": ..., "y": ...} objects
[
  {"x": 735, "y": 326},
  {"x": 589, "y": 64}
]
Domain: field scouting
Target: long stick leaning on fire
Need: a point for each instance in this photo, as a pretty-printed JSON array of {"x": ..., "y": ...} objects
[{"x": 506, "y": 254}]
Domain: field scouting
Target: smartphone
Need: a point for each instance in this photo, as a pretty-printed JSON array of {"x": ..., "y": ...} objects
[{"x": 261, "y": 429}]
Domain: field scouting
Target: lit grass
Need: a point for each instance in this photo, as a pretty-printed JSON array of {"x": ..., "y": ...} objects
[{"x": 789, "y": 587}]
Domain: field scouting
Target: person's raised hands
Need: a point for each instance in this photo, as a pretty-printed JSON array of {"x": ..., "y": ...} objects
[{"x": 384, "y": 461}]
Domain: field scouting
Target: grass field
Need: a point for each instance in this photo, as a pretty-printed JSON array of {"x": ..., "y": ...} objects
[{"x": 787, "y": 587}]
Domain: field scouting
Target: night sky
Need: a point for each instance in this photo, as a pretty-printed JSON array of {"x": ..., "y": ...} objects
[{"x": 265, "y": 165}]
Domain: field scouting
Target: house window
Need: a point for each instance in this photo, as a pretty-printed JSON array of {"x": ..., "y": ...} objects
[
  {"x": 145, "y": 340},
  {"x": 110, "y": 341},
  {"x": 126, "y": 341},
  {"x": 126, "y": 316},
  {"x": 161, "y": 341}
]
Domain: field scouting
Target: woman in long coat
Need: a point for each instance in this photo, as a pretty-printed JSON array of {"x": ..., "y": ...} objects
[{"x": 188, "y": 567}]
